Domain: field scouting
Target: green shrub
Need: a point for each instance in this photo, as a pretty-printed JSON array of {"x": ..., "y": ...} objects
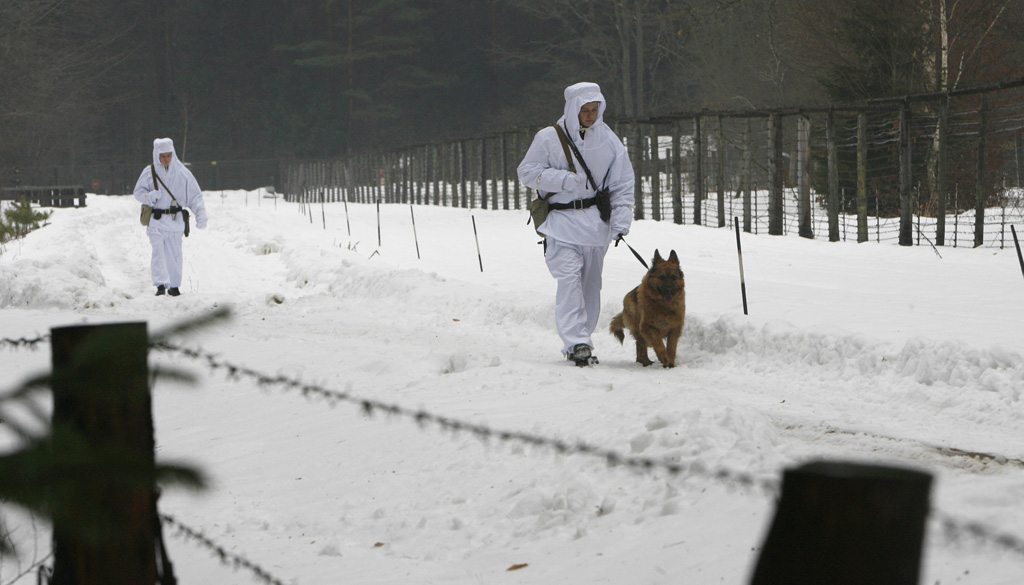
[{"x": 20, "y": 219}]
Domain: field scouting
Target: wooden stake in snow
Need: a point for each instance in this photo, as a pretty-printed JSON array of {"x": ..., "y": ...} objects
[
  {"x": 415, "y": 239},
  {"x": 323, "y": 212},
  {"x": 477, "y": 238},
  {"x": 348, "y": 224},
  {"x": 1016, "y": 243},
  {"x": 378, "y": 221},
  {"x": 739, "y": 254}
]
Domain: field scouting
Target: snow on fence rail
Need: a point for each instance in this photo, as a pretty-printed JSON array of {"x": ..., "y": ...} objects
[{"x": 947, "y": 168}]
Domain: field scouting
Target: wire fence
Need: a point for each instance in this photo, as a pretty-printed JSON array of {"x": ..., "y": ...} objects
[
  {"x": 952, "y": 528},
  {"x": 947, "y": 169}
]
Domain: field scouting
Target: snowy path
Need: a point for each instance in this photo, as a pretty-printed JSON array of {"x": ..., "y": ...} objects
[{"x": 848, "y": 354}]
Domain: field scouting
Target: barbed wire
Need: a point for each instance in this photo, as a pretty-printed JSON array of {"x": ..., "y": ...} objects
[
  {"x": 964, "y": 530},
  {"x": 226, "y": 558},
  {"x": 24, "y": 342},
  {"x": 953, "y": 528},
  {"x": 484, "y": 433}
]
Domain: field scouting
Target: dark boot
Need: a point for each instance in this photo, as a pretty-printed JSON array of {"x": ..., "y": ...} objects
[
  {"x": 582, "y": 355},
  {"x": 173, "y": 291},
  {"x": 160, "y": 290}
]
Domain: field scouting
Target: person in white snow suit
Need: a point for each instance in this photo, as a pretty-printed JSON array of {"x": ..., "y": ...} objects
[
  {"x": 168, "y": 187},
  {"x": 576, "y": 236}
]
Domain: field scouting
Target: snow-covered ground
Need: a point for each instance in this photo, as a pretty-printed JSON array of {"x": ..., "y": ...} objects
[{"x": 867, "y": 352}]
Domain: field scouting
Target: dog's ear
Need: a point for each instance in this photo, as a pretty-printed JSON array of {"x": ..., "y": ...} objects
[
  {"x": 673, "y": 258},
  {"x": 657, "y": 258}
]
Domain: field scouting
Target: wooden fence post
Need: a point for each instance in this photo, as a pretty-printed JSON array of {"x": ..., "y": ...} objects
[
  {"x": 906, "y": 176},
  {"x": 862, "y": 177},
  {"x": 775, "y": 175},
  {"x": 515, "y": 162},
  {"x": 100, "y": 391},
  {"x": 720, "y": 169},
  {"x": 655, "y": 167},
  {"x": 979, "y": 179},
  {"x": 834, "y": 203},
  {"x": 677, "y": 174},
  {"x": 846, "y": 524},
  {"x": 698, "y": 172},
  {"x": 483, "y": 173},
  {"x": 502, "y": 155},
  {"x": 636, "y": 150},
  {"x": 940, "y": 173},
  {"x": 747, "y": 177},
  {"x": 803, "y": 176}
]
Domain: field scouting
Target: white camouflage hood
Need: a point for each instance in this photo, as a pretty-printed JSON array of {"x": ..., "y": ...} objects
[
  {"x": 577, "y": 96},
  {"x": 160, "y": 146}
]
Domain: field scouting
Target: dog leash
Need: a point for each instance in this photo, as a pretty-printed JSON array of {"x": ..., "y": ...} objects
[{"x": 638, "y": 256}]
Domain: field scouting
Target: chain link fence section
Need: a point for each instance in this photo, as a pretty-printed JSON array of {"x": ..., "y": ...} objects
[{"x": 940, "y": 169}]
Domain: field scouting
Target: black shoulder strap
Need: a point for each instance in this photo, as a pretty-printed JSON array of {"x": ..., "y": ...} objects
[
  {"x": 157, "y": 179},
  {"x": 566, "y": 141}
]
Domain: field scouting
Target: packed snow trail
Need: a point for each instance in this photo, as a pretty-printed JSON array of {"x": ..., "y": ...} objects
[{"x": 848, "y": 353}]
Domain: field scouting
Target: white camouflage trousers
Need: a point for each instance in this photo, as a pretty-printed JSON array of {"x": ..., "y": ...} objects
[
  {"x": 577, "y": 269},
  {"x": 165, "y": 266}
]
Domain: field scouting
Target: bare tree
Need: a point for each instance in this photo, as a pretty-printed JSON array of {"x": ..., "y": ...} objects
[
  {"x": 639, "y": 46},
  {"x": 54, "y": 57}
]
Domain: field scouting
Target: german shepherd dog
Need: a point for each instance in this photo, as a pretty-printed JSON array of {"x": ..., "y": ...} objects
[{"x": 654, "y": 311}]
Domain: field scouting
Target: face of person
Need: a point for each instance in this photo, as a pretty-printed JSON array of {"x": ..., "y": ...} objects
[
  {"x": 588, "y": 114},
  {"x": 165, "y": 158}
]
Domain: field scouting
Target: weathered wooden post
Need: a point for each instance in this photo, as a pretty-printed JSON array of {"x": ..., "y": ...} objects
[
  {"x": 747, "y": 178},
  {"x": 906, "y": 176},
  {"x": 979, "y": 179},
  {"x": 940, "y": 173},
  {"x": 803, "y": 176},
  {"x": 862, "y": 177},
  {"x": 698, "y": 172},
  {"x": 775, "y": 175},
  {"x": 636, "y": 150},
  {"x": 483, "y": 173},
  {"x": 834, "y": 203},
  {"x": 655, "y": 166},
  {"x": 677, "y": 174},
  {"x": 515, "y": 163},
  {"x": 846, "y": 524},
  {"x": 100, "y": 392},
  {"x": 463, "y": 162},
  {"x": 720, "y": 169},
  {"x": 504, "y": 173}
]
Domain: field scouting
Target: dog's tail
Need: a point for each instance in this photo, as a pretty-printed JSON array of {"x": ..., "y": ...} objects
[{"x": 617, "y": 328}]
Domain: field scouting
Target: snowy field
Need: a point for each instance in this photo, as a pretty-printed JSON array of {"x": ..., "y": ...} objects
[{"x": 871, "y": 352}]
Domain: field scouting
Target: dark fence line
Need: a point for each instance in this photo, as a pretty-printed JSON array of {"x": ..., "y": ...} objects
[
  {"x": 47, "y": 196},
  {"x": 120, "y": 178},
  {"x": 946, "y": 168}
]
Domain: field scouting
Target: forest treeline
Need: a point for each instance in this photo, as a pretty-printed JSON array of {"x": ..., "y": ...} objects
[{"x": 94, "y": 81}]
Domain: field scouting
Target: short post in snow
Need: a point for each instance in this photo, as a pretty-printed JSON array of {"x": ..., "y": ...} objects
[
  {"x": 414, "y": 237},
  {"x": 100, "y": 392},
  {"x": 846, "y": 524},
  {"x": 739, "y": 254},
  {"x": 477, "y": 238},
  {"x": 1016, "y": 243},
  {"x": 348, "y": 224},
  {"x": 323, "y": 211},
  {"x": 378, "y": 221}
]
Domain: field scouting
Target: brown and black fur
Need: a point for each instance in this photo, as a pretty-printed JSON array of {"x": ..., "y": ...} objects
[{"x": 654, "y": 312}]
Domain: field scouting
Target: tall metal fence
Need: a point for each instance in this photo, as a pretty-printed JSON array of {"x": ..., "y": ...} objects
[{"x": 944, "y": 169}]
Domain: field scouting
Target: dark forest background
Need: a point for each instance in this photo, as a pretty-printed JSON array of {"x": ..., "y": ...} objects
[{"x": 94, "y": 81}]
